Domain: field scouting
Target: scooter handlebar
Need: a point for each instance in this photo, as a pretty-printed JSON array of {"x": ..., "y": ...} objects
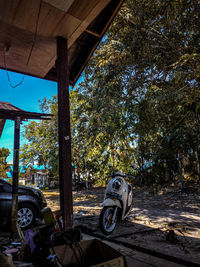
[{"x": 122, "y": 175}]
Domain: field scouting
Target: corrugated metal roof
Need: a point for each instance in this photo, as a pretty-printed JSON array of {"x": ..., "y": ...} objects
[
  {"x": 8, "y": 106},
  {"x": 23, "y": 169},
  {"x": 8, "y": 111}
]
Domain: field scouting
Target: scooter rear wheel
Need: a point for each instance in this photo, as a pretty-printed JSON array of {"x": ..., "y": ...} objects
[{"x": 106, "y": 223}]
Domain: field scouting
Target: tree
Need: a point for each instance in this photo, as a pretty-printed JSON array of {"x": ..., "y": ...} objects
[
  {"x": 4, "y": 166},
  {"x": 142, "y": 84},
  {"x": 42, "y": 145}
]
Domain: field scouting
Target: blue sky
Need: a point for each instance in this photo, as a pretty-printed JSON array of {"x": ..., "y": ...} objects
[{"x": 26, "y": 97}]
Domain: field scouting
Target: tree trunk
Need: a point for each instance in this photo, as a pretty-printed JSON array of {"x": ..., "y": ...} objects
[
  {"x": 180, "y": 170},
  {"x": 198, "y": 164}
]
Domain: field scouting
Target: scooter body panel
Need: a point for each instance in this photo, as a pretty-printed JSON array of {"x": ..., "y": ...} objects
[{"x": 111, "y": 202}]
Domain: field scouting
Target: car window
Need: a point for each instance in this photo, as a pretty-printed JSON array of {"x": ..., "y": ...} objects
[
  {"x": 4, "y": 182},
  {"x": 6, "y": 186}
]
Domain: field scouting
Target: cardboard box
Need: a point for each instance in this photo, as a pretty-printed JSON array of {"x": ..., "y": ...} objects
[{"x": 90, "y": 253}]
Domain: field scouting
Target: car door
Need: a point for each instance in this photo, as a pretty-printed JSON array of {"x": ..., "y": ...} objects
[{"x": 5, "y": 199}]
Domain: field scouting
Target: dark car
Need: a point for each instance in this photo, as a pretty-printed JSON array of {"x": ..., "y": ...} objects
[{"x": 30, "y": 203}]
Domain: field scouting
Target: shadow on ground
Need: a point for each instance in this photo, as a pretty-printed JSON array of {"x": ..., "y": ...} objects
[{"x": 142, "y": 236}]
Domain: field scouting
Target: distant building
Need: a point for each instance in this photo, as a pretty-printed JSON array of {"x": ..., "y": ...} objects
[{"x": 32, "y": 175}]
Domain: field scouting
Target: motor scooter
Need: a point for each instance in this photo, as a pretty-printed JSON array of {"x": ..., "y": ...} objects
[{"x": 117, "y": 203}]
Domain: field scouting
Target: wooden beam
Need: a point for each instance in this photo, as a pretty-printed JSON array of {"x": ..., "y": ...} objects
[
  {"x": 81, "y": 43},
  {"x": 93, "y": 33},
  {"x": 97, "y": 43},
  {"x": 64, "y": 135},
  {"x": 93, "y": 14},
  {"x": 2, "y": 123},
  {"x": 60, "y": 4}
]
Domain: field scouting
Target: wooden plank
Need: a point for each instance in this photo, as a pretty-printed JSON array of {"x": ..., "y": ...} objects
[
  {"x": 79, "y": 30},
  {"x": 25, "y": 15},
  {"x": 52, "y": 22},
  {"x": 60, "y": 4},
  {"x": 64, "y": 134},
  {"x": 7, "y": 10},
  {"x": 20, "y": 42},
  {"x": 91, "y": 16},
  {"x": 43, "y": 50},
  {"x": 65, "y": 28},
  {"x": 82, "y": 8},
  {"x": 50, "y": 17}
]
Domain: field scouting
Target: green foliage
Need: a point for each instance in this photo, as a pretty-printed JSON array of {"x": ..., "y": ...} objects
[
  {"x": 42, "y": 142},
  {"x": 142, "y": 87},
  {"x": 4, "y": 167},
  {"x": 139, "y": 101}
]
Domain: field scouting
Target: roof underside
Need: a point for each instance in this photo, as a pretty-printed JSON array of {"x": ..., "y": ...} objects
[
  {"x": 8, "y": 111},
  {"x": 82, "y": 22}
]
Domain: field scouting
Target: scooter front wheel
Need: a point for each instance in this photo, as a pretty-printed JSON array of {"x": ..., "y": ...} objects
[{"x": 107, "y": 223}]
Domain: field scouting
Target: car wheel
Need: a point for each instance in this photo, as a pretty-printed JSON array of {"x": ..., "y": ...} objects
[{"x": 26, "y": 215}]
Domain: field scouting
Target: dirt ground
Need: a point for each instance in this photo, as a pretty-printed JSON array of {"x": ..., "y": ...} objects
[{"x": 150, "y": 220}]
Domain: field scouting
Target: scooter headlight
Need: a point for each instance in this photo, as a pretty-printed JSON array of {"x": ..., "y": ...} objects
[{"x": 116, "y": 184}]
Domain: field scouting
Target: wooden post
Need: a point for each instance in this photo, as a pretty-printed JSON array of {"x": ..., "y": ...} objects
[
  {"x": 14, "y": 215},
  {"x": 2, "y": 123},
  {"x": 64, "y": 135}
]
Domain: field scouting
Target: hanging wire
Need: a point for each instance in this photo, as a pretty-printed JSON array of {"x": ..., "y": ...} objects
[{"x": 30, "y": 53}]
